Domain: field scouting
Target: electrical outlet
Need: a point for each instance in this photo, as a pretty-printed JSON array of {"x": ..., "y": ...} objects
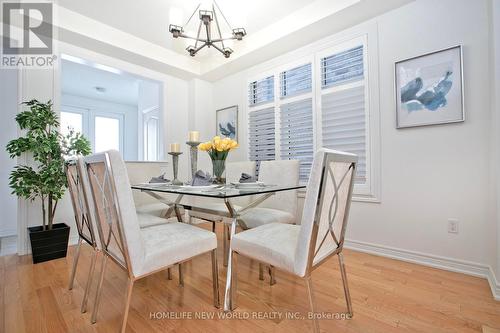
[{"x": 453, "y": 226}]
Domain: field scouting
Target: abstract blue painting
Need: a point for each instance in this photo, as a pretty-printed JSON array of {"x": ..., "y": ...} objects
[
  {"x": 429, "y": 89},
  {"x": 227, "y": 122}
]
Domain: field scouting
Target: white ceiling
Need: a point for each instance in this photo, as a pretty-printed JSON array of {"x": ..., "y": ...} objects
[
  {"x": 149, "y": 20},
  {"x": 137, "y": 31},
  {"x": 81, "y": 80}
]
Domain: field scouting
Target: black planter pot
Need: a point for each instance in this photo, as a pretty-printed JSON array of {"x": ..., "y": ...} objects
[{"x": 49, "y": 244}]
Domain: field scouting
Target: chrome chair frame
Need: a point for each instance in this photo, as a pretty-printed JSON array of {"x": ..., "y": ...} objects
[
  {"x": 118, "y": 253},
  {"x": 84, "y": 224},
  {"x": 230, "y": 302}
]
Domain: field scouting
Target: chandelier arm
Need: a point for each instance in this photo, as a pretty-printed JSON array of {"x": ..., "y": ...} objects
[
  {"x": 218, "y": 27},
  {"x": 192, "y": 14},
  {"x": 222, "y": 39},
  {"x": 218, "y": 48},
  {"x": 199, "y": 48},
  {"x": 198, "y": 35},
  {"x": 223, "y": 16},
  {"x": 191, "y": 37}
]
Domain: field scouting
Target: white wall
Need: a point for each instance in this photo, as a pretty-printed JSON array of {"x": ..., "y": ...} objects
[
  {"x": 432, "y": 173},
  {"x": 495, "y": 107},
  {"x": 129, "y": 112},
  {"x": 202, "y": 116},
  {"x": 8, "y": 131}
]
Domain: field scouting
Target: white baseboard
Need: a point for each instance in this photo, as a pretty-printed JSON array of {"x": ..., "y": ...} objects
[{"x": 449, "y": 264}]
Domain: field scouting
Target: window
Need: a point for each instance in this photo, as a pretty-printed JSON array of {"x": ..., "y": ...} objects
[
  {"x": 106, "y": 134},
  {"x": 292, "y": 114},
  {"x": 343, "y": 125},
  {"x": 261, "y": 91},
  {"x": 342, "y": 67},
  {"x": 296, "y": 138},
  {"x": 71, "y": 121},
  {"x": 323, "y": 102},
  {"x": 262, "y": 135},
  {"x": 295, "y": 81},
  {"x": 343, "y": 106},
  {"x": 103, "y": 129}
]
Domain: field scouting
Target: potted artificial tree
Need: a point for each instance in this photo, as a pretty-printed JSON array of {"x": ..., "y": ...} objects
[{"x": 46, "y": 179}]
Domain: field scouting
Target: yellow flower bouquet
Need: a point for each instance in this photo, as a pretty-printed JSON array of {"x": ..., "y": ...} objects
[{"x": 218, "y": 149}]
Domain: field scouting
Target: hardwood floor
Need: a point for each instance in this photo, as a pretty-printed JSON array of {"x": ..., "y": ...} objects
[{"x": 388, "y": 296}]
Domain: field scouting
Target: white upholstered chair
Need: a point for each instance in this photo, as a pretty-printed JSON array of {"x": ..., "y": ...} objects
[
  {"x": 86, "y": 227},
  {"x": 281, "y": 207},
  {"x": 139, "y": 252},
  {"x": 299, "y": 249}
]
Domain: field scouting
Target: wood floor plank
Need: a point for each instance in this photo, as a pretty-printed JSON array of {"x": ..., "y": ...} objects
[{"x": 388, "y": 296}]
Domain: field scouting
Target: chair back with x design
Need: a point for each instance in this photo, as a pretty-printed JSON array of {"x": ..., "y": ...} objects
[
  {"x": 83, "y": 218},
  {"x": 115, "y": 211},
  {"x": 326, "y": 209}
]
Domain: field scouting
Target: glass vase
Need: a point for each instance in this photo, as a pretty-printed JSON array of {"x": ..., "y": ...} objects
[{"x": 219, "y": 170}]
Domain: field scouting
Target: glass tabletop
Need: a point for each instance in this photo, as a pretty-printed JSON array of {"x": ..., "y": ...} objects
[{"x": 216, "y": 191}]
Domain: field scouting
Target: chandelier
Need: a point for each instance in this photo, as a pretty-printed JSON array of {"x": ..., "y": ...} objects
[{"x": 213, "y": 38}]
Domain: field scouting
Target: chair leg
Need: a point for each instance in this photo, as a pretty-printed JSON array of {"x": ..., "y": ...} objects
[
  {"x": 215, "y": 278},
  {"x": 213, "y": 226},
  {"x": 181, "y": 275},
  {"x": 190, "y": 219},
  {"x": 225, "y": 244},
  {"x": 272, "y": 277},
  {"x": 234, "y": 280},
  {"x": 346, "y": 286},
  {"x": 130, "y": 286},
  {"x": 93, "y": 319},
  {"x": 312, "y": 303},
  {"x": 90, "y": 277},
  {"x": 169, "y": 273},
  {"x": 75, "y": 263},
  {"x": 261, "y": 271},
  {"x": 231, "y": 283}
]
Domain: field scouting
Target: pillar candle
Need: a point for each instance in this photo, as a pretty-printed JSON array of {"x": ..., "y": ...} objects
[
  {"x": 175, "y": 148},
  {"x": 194, "y": 136}
]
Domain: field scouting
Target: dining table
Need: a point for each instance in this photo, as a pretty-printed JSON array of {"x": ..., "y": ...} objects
[{"x": 224, "y": 192}]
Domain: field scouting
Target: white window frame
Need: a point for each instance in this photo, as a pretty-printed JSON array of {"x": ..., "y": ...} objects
[{"x": 365, "y": 34}]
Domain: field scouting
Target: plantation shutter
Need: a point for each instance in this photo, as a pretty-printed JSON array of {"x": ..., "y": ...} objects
[
  {"x": 261, "y": 136},
  {"x": 295, "y": 81},
  {"x": 261, "y": 91},
  {"x": 344, "y": 125},
  {"x": 296, "y": 138},
  {"x": 342, "y": 67}
]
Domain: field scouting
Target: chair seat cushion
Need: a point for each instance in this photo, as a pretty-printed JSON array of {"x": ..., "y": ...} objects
[
  {"x": 258, "y": 216},
  {"x": 272, "y": 243},
  {"x": 174, "y": 242},
  {"x": 149, "y": 220}
]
